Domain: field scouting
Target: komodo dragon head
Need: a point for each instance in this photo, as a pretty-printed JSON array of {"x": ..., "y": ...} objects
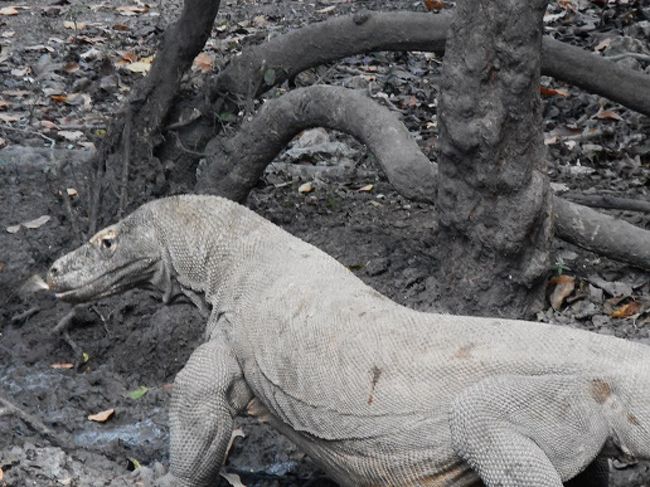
[{"x": 119, "y": 257}]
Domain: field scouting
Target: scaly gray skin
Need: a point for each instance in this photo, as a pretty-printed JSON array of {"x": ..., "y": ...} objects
[{"x": 376, "y": 393}]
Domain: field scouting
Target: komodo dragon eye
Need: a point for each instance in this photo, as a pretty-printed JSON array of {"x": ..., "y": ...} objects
[{"x": 107, "y": 242}]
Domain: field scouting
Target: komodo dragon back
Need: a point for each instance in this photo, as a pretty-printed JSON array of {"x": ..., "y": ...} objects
[{"x": 376, "y": 393}]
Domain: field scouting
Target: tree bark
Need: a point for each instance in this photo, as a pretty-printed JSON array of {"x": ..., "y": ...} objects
[
  {"x": 233, "y": 166},
  {"x": 493, "y": 198},
  {"x": 125, "y": 168}
]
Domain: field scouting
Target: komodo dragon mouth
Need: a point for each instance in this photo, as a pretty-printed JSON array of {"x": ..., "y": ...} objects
[{"x": 69, "y": 287}]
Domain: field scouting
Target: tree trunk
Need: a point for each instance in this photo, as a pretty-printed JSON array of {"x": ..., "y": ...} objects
[
  {"x": 126, "y": 170},
  {"x": 493, "y": 199}
]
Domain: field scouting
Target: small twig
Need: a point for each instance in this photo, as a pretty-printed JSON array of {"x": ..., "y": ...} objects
[
  {"x": 101, "y": 318},
  {"x": 25, "y": 315},
  {"x": 31, "y": 421},
  {"x": 185, "y": 149},
  {"x": 30, "y": 132},
  {"x": 76, "y": 349},
  {"x": 611, "y": 202}
]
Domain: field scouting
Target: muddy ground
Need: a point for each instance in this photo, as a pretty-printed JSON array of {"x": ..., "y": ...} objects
[{"x": 55, "y": 100}]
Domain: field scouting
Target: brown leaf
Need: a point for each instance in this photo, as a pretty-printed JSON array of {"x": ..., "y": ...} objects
[
  {"x": 567, "y": 5},
  {"x": 71, "y": 67},
  {"x": 49, "y": 125},
  {"x": 367, "y": 188},
  {"x": 129, "y": 56},
  {"x": 121, "y": 27},
  {"x": 62, "y": 365},
  {"x": 3, "y": 264},
  {"x": 545, "y": 91},
  {"x": 434, "y": 5},
  {"x": 59, "y": 98},
  {"x": 306, "y": 188},
  {"x": 4, "y": 104},
  {"x": 204, "y": 62},
  {"x": 564, "y": 286},
  {"x": 608, "y": 115},
  {"x": 102, "y": 416},
  {"x": 627, "y": 310}
]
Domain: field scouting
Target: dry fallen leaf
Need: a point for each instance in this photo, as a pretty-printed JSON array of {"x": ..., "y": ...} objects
[
  {"x": 233, "y": 479},
  {"x": 4, "y": 104},
  {"x": 31, "y": 224},
  {"x": 204, "y": 62},
  {"x": 602, "y": 45},
  {"x": 71, "y": 67},
  {"x": 627, "y": 310},
  {"x": 71, "y": 135},
  {"x": 37, "y": 222},
  {"x": 367, "y": 188},
  {"x": 326, "y": 9},
  {"x": 545, "y": 91},
  {"x": 608, "y": 115},
  {"x": 9, "y": 117},
  {"x": 121, "y": 27},
  {"x": 102, "y": 416},
  {"x": 69, "y": 24},
  {"x": 306, "y": 188},
  {"x": 3, "y": 264},
  {"x": 564, "y": 286},
  {"x": 130, "y": 10},
  {"x": 3, "y": 142},
  {"x": 129, "y": 56},
  {"x": 434, "y": 5},
  {"x": 8, "y": 11},
  {"x": 62, "y": 365}
]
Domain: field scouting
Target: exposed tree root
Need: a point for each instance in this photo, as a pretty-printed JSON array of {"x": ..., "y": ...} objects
[
  {"x": 235, "y": 164},
  {"x": 602, "y": 234},
  {"x": 289, "y": 54},
  {"x": 334, "y": 39},
  {"x": 611, "y": 202},
  {"x": 323, "y": 42}
]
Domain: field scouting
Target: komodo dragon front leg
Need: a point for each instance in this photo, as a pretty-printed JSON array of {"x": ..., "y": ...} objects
[
  {"x": 537, "y": 431},
  {"x": 208, "y": 393}
]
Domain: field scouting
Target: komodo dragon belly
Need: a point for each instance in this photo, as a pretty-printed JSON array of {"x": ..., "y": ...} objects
[{"x": 375, "y": 461}]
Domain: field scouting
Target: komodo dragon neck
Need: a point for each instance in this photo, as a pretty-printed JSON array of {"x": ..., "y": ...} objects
[{"x": 206, "y": 248}]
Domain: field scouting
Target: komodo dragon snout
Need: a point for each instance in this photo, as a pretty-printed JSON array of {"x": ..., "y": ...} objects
[{"x": 117, "y": 258}]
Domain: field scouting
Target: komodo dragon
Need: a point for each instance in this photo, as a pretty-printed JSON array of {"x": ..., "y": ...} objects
[{"x": 376, "y": 393}]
